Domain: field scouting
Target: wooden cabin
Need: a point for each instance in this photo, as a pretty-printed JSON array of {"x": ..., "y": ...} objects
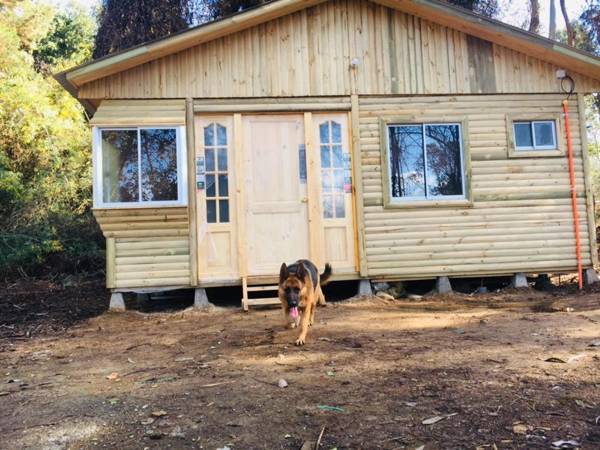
[{"x": 395, "y": 139}]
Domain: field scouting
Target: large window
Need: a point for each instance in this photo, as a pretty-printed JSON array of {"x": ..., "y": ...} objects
[
  {"x": 425, "y": 162},
  {"x": 139, "y": 167}
]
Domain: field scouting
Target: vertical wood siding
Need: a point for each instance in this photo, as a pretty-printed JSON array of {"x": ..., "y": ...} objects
[
  {"x": 308, "y": 53},
  {"x": 521, "y": 218}
]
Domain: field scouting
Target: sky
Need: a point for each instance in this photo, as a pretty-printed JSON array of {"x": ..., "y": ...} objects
[{"x": 514, "y": 12}]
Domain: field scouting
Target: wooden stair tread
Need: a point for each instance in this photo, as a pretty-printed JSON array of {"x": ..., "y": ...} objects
[{"x": 274, "y": 287}]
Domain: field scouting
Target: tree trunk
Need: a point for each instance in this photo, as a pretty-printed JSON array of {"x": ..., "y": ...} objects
[
  {"x": 570, "y": 34},
  {"x": 534, "y": 23},
  {"x": 552, "y": 23}
]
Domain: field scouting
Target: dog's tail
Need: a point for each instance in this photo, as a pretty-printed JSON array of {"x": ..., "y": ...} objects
[{"x": 324, "y": 277}]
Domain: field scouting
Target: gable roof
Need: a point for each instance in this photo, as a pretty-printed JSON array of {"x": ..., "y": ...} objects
[{"x": 432, "y": 10}]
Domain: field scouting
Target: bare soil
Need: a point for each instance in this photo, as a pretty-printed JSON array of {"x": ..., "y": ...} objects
[{"x": 504, "y": 370}]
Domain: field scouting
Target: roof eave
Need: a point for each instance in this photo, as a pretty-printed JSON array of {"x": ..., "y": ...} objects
[{"x": 62, "y": 79}]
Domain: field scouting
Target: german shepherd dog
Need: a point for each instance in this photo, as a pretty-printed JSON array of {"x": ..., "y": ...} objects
[{"x": 300, "y": 288}]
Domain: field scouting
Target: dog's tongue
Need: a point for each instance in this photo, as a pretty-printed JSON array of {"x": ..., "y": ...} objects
[{"x": 294, "y": 312}]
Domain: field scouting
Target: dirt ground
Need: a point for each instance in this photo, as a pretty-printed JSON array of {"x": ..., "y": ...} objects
[{"x": 515, "y": 369}]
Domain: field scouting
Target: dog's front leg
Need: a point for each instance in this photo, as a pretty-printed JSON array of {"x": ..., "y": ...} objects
[{"x": 304, "y": 324}]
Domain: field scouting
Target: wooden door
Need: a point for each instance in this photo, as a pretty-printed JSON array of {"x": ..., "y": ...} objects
[
  {"x": 332, "y": 140},
  {"x": 275, "y": 192},
  {"x": 215, "y": 199}
]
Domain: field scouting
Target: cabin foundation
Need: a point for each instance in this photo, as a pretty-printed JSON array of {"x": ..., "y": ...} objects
[
  {"x": 117, "y": 303},
  {"x": 443, "y": 286},
  {"x": 201, "y": 299},
  {"x": 590, "y": 276},
  {"x": 364, "y": 287},
  {"x": 519, "y": 280}
]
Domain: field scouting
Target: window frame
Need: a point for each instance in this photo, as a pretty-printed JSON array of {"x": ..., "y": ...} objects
[
  {"x": 557, "y": 150},
  {"x": 181, "y": 151},
  {"x": 389, "y": 201}
]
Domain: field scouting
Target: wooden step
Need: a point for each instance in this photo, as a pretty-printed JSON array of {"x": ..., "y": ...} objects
[
  {"x": 264, "y": 301},
  {"x": 274, "y": 287}
]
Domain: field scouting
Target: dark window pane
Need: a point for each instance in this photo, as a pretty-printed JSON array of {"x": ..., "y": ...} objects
[
  {"x": 159, "y": 164},
  {"x": 223, "y": 211},
  {"x": 444, "y": 168},
  {"x": 338, "y": 158},
  {"x": 223, "y": 185},
  {"x": 407, "y": 164},
  {"x": 222, "y": 163},
  {"x": 326, "y": 181},
  {"x": 544, "y": 134},
  {"x": 338, "y": 180},
  {"x": 209, "y": 135},
  {"x": 325, "y": 156},
  {"x": 211, "y": 211},
  {"x": 340, "y": 208},
  {"x": 221, "y": 135},
  {"x": 120, "y": 166},
  {"x": 523, "y": 136},
  {"x": 210, "y": 160},
  {"x": 327, "y": 206},
  {"x": 211, "y": 189},
  {"x": 324, "y": 133},
  {"x": 336, "y": 133}
]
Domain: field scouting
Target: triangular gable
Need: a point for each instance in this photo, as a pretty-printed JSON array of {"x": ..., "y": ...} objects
[{"x": 398, "y": 52}]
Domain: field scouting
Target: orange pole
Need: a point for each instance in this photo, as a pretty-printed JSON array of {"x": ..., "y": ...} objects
[{"x": 573, "y": 194}]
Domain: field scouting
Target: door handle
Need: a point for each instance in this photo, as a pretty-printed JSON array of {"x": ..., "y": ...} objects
[{"x": 304, "y": 200}]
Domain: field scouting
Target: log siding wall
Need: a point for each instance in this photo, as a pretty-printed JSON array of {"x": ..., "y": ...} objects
[
  {"x": 521, "y": 217},
  {"x": 146, "y": 247},
  {"x": 308, "y": 53}
]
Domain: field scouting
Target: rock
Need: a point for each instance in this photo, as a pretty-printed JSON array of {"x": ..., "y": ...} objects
[
  {"x": 381, "y": 286},
  {"x": 148, "y": 421},
  {"x": 414, "y": 297},
  {"x": 177, "y": 433},
  {"x": 384, "y": 296},
  {"x": 595, "y": 344},
  {"x": 282, "y": 383},
  {"x": 159, "y": 413},
  {"x": 520, "y": 428},
  {"x": 154, "y": 434}
]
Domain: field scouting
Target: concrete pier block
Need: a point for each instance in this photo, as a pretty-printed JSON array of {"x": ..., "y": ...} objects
[
  {"x": 443, "y": 286},
  {"x": 590, "y": 276},
  {"x": 519, "y": 280},
  {"x": 201, "y": 299},
  {"x": 117, "y": 303},
  {"x": 364, "y": 287}
]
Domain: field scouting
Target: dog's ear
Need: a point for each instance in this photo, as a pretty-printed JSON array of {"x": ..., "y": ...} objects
[
  {"x": 283, "y": 273},
  {"x": 301, "y": 272}
]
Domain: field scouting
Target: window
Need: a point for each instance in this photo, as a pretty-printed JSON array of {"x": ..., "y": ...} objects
[
  {"x": 139, "y": 167},
  {"x": 425, "y": 162},
  {"x": 535, "y": 135},
  {"x": 332, "y": 170},
  {"x": 217, "y": 177}
]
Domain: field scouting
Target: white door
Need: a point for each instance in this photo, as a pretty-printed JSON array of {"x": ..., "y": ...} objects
[{"x": 275, "y": 192}]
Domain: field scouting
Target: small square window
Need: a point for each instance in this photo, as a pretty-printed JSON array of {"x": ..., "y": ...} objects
[{"x": 535, "y": 135}]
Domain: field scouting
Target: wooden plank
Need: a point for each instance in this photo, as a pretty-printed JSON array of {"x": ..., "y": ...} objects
[
  {"x": 315, "y": 214},
  {"x": 358, "y": 185},
  {"x": 110, "y": 263},
  {"x": 191, "y": 171},
  {"x": 238, "y": 146},
  {"x": 589, "y": 194},
  {"x": 481, "y": 65}
]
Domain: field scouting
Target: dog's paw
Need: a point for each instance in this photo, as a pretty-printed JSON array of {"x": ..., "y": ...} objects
[{"x": 300, "y": 341}]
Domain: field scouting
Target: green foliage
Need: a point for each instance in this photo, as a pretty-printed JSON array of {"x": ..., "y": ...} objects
[
  {"x": 68, "y": 42},
  {"x": 127, "y": 23},
  {"x": 45, "y": 173},
  {"x": 485, "y": 7}
]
